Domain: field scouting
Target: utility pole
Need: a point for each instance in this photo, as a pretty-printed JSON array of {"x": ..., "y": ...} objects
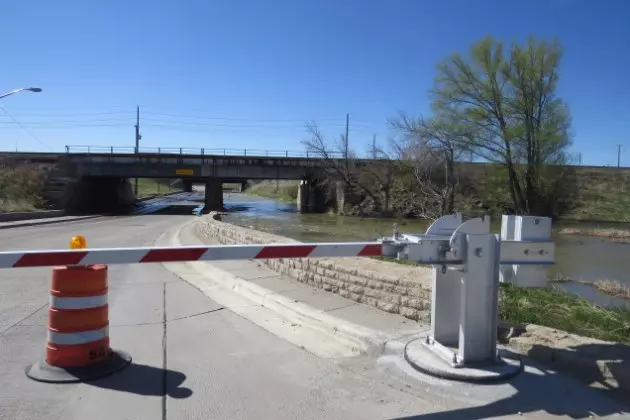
[
  {"x": 137, "y": 149},
  {"x": 374, "y": 146},
  {"x": 346, "y": 140},
  {"x": 618, "y": 155}
]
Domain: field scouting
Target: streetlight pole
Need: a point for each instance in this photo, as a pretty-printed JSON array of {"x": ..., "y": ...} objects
[{"x": 30, "y": 89}]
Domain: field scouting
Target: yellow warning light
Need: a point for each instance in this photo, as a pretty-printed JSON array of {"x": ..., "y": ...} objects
[{"x": 78, "y": 242}]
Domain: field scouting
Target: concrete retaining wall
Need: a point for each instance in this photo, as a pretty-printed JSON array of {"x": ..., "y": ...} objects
[{"x": 404, "y": 290}]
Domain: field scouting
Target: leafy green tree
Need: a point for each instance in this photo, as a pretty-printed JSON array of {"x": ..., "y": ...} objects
[{"x": 508, "y": 103}]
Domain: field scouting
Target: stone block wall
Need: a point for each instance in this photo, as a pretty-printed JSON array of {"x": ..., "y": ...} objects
[{"x": 391, "y": 287}]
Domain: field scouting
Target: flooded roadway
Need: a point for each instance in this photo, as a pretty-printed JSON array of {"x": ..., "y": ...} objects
[{"x": 578, "y": 257}]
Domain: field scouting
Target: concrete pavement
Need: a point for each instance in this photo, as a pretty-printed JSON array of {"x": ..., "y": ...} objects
[
  {"x": 195, "y": 359},
  {"x": 191, "y": 358}
]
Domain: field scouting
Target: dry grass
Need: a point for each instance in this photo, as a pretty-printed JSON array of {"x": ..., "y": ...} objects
[
  {"x": 616, "y": 235},
  {"x": 280, "y": 190},
  {"x": 17, "y": 205},
  {"x": 148, "y": 187},
  {"x": 604, "y": 195},
  {"x": 613, "y": 288},
  {"x": 610, "y": 287},
  {"x": 21, "y": 186}
]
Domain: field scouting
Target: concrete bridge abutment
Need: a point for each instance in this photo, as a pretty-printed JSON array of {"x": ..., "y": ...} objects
[
  {"x": 188, "y": 185},
  {"x": 311, "y": 197},
  {"x": 96, "y": 195}
]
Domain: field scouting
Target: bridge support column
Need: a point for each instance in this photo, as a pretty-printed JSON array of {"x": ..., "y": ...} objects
[
  {"x": 188, "y": 186},
  {"x": 214, "y": 195},
  {"x": 310, "y": 198}
]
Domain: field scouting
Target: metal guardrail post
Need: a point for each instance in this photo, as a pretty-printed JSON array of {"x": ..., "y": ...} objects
[{"x": 525, "y": 228}]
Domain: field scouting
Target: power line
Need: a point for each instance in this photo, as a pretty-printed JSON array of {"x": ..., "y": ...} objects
[
  {"x": 300, "y": 120},
  {"x": 72, "y": 114},
  {"x": 25, "y": 130},
  {"x": 67, "y": 126},
  {"x": 261, "y": 122},
  {"x": 73, "y": 121}
]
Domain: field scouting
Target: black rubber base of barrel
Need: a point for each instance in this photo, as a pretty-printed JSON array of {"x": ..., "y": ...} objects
[{"x": 43, "y": 372}]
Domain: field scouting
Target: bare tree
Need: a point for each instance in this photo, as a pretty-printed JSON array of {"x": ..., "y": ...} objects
[
  {"x": 359, "y": 178},
  {"x": 429, "y": 150}
]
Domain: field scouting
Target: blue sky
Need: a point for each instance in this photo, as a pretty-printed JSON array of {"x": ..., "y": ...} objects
[{"x": 254, "y": 71}]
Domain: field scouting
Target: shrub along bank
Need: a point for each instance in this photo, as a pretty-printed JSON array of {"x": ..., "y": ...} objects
[
  {"x": 21, "y": 186},
  {"x": 599, "y": 194}
]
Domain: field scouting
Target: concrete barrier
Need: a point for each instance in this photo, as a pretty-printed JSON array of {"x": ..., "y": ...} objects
[{"x": 394, "y": 288}]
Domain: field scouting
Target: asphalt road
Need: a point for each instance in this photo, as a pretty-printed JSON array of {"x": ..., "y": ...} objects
[{"x": 191, "y": 358}]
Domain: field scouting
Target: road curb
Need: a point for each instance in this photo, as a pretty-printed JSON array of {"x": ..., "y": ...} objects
[
  {"x": 362, "y": 339},
  {"x": 36, "y": 222}
]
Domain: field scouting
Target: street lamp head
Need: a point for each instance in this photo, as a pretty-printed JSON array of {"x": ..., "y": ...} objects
[{"x": 34, "y": 89}]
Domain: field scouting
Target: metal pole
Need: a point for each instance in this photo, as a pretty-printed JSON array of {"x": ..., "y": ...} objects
[
  {"x": 137, "y": 145},
  {"x": 618, "y": 155},
  {"x": 30, "y": 89},
  {"x": 374, "y": 154},
  {"x": 346, "y": 138}
]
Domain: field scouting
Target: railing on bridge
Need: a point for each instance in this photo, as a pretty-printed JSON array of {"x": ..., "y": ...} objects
[{"x": 197, "y": 151}]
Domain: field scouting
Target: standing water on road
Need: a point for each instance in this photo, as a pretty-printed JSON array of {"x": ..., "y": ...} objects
[{"x": 577, "y": 257}]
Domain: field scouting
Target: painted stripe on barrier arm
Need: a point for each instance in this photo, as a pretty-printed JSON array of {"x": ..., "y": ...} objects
[{"x": 50, "y": 258}]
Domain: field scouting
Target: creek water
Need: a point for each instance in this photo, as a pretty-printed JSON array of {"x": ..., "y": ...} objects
[{"x": 577, "y": 257}]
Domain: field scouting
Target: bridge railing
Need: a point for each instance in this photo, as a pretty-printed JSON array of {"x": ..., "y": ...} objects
[{"x": 116, "y": 150}]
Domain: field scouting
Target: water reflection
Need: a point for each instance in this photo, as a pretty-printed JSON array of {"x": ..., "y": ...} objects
[{"x": 578, "y": 257}]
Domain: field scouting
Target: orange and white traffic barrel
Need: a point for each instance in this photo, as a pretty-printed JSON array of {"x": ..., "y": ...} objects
[{"x": 78, "y": 326}]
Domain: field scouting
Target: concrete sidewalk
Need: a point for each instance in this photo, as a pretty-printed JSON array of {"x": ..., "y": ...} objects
[{"x": 367, "y": 329}]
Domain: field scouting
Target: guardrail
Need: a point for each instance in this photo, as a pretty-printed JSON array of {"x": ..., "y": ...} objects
[{"x": 114, "y": 150}]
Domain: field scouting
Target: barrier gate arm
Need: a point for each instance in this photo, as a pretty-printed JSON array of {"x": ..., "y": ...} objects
[
  {"x": 48, "y": 258},
  {"x": 423, "y": 249}
]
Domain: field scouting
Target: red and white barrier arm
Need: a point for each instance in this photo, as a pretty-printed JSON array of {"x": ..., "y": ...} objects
[{"x": 48, "y": 258}]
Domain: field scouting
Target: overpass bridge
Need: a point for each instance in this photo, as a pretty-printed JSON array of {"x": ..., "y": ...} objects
[{"x": 96, "y": 177}]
